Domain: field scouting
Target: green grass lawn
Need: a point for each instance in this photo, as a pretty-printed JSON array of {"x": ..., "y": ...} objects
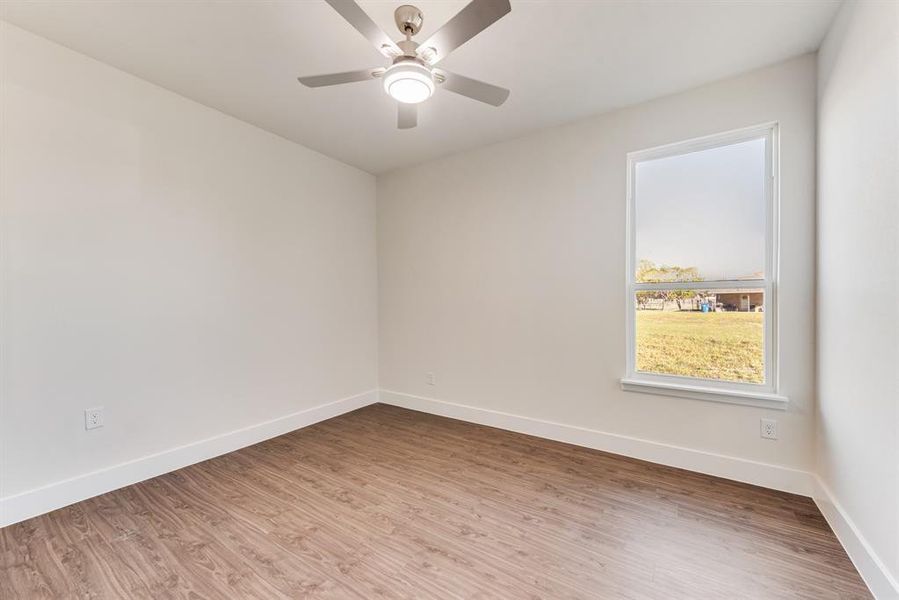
[{"x": 722, "y": 345}]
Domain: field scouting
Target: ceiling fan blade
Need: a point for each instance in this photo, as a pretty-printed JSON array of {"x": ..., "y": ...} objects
[
  {"x": 408, "y": 115},
  {"x": 338, "y": 78},
  {"x": 474, "y": 89},
  {"x": 359, "y": 19},
  {"x": 477, "y": 16}
]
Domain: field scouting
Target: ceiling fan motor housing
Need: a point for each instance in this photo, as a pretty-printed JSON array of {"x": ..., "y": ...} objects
[{"x": 408, "y": 19}]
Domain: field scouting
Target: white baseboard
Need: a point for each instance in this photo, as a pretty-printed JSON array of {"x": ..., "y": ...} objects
[
  {"x": 872, "y": 569},
  {"x": 729, "y": 467},
  {"x": 41, "y": 500}
]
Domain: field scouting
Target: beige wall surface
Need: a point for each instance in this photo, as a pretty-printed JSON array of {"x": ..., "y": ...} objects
[
  {"x": 501, "y": 271},
  {"x": 188, "y": 272},
  {"x": 858, "y": 273}
]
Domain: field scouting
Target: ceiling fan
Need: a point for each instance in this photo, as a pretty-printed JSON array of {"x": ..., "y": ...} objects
[{"x": 412, "y": 77}]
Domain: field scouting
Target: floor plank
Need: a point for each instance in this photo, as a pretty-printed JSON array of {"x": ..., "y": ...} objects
[{"x": 390, "y": 503}]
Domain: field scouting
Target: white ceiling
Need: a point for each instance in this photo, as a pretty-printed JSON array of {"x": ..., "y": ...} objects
[{"x": 561, "y": 59}]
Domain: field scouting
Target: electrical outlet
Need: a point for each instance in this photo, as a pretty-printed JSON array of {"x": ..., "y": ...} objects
[
  {"x": 93, "y": 417},
  {"x": 769, "y": 429},
  {"x": 430, "y": 379}
]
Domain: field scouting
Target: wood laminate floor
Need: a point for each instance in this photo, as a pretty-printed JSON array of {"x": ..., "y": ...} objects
[{"x": 389, "y": 503}]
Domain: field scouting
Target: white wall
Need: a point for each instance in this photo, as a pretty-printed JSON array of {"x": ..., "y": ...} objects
[
  {"x": 501, "y": 271},
  {"x": 858, "y": 273},
  {"x": 190, "y": 273}
]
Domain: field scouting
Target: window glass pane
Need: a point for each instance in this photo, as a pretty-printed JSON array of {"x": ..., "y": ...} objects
[
  {"x": 704, "y": 212},
  {"x": 715, "y": 334}
]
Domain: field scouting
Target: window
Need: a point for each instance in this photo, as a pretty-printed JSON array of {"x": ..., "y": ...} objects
[{"x": 701, "y": 268}]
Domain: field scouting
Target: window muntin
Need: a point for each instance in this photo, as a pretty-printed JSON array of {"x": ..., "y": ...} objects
[{"x": 703, "y": 211}]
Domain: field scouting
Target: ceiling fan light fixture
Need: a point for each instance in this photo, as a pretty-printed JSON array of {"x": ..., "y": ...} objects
[
  {"x": 409, "y": 82},
  {"x": 411, "y": 78}
]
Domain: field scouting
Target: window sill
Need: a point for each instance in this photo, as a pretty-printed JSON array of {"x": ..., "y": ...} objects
[{"x": 696, "y": 392}]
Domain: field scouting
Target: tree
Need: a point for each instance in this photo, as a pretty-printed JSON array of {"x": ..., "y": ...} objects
[{"x": 649, "y": 272}]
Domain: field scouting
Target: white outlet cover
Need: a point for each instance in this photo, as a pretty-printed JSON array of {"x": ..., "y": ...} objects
[
  {"x": 768, "y": 429},
  {"x": 93, "y": 417}
]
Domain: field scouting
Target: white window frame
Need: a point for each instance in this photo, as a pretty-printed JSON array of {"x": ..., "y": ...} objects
[{"x": 765, "y": 394}]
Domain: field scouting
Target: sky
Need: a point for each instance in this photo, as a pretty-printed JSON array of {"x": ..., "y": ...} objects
[{"x": 705, "y": 209}]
